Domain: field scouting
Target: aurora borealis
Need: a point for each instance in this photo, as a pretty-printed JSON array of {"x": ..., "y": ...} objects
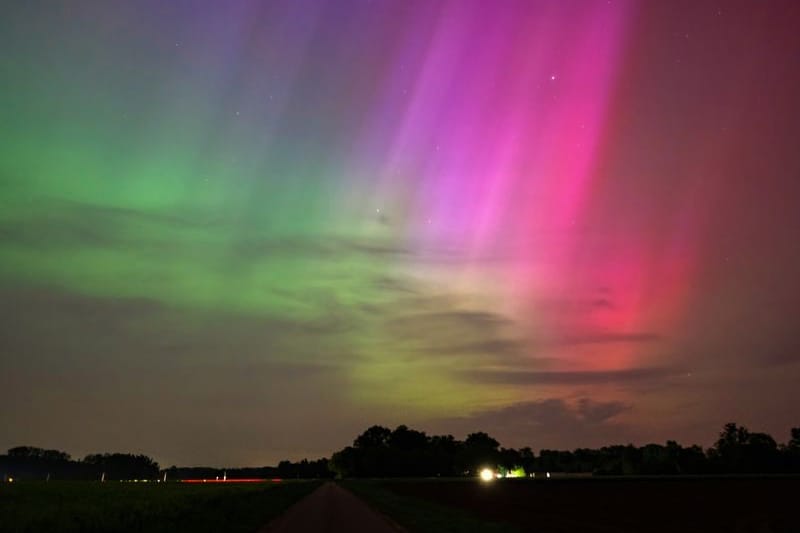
[{"x": 237, "y": 232}]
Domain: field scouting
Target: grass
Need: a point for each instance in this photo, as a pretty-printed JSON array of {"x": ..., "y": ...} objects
[
  {"x": 65, "y": 507},
  {"x": 418, "y": 515}
]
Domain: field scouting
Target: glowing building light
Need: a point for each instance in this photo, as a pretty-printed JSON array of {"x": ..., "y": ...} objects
[
  {"x": 516, "y": 472},
  {"x": 487, "y": 474}
]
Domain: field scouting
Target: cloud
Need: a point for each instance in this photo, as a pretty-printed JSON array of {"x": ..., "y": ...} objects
[
  {"x": 602, "y": 303},
  {"x": 65, "y": 224},
  {"x": 389, "y": 284},
  {"x": 489, "y": 347},
  {"x": 597, "y": 412},
  {"x": 59, "y": 326},
  {"x": 576, "y": 377},
  {"x": 435, "y": 327},
  {"x": 447, "y": 320},
  {"x": 607, "y": 338},
  {"x": 548, "y": 422}
]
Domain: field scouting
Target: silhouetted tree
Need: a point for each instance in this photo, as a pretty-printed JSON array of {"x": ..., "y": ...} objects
[
  {"x": 794, "y": 439},
  {"x": 791, "y": 452},
  {"x": 509, "y": 459},
  {"x": 344, "y": 463},
  {"x": 479, "y": 450},
  {"x": 408, "y": 453},
  {"x": 739, "y": 451},
  {"x": 444, "y": 449},
  {"x": 374, "y": 437},
  {"x": 30, "y": 452},
  {"x": 527, "y": 460},
  {"x": 123, "y": 465}
]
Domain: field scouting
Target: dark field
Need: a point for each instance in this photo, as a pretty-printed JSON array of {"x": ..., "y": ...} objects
[
  {"x": 616, "y": 505},
  {"x": 152, "y": 507}
]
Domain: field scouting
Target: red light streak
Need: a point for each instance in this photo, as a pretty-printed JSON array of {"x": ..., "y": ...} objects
[{"x": 243, "y": 480}]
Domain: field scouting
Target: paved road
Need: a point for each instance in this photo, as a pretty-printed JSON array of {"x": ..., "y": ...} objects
[{"x": 331, "y": 508}]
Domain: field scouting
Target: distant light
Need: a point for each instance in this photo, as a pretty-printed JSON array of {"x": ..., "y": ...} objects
[
  {"x": 548, "y": 475},
  {"x": 11, "y": 480},
  {"x": 487, "y": 474},
  {"x": 516, "y": 472}
]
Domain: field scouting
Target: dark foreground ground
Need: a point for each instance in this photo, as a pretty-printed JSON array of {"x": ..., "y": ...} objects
[
  {"x": 635, "y": 505},
  {"x": 621, "y": 505},
  {"x": 113, "y": 507},
  {"x": 331, "y": 509}
]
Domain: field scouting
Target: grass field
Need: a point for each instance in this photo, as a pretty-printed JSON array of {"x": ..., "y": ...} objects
[
  {"x": 619, "y": 505},
  {"x": 138, "y": 507}
]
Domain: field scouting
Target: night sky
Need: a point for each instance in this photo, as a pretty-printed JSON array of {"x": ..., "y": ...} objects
[{"x": 237, "y": 232}]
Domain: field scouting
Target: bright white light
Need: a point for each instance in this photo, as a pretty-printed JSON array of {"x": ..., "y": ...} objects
[
  {"x": 548, "y": 475},
  {"x": 487, "y": 474},
  {"x": 11, "y": 480}
]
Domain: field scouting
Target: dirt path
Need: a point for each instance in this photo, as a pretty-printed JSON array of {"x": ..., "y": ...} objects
[{"x": 331, "y": 508}]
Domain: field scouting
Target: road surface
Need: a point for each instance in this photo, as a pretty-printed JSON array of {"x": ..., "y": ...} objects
[{"x": 331, "y": 508}]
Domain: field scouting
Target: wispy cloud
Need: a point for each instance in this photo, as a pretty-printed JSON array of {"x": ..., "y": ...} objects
[
  {"x": 545, "y": 422},
  {"x": 578, "y": 377}
]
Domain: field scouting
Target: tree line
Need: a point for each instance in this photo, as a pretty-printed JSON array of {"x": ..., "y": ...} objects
[
  {"x": 405, "y": 452},
  {"x": 304, "y": 469},
  {"x": 28, "y": 462},
  {"x": 381, "y": 452},
  {"x": 31, "y": 463}
]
